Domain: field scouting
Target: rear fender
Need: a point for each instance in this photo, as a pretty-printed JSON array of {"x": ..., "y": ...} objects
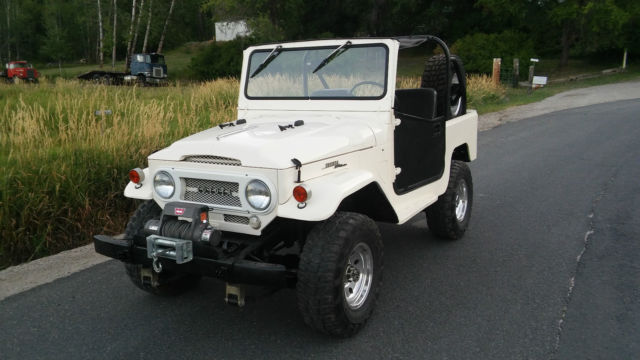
[{"x": 327, "y": 192}]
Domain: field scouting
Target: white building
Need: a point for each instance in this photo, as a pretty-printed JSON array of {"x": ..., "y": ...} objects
[{"x": 230, "y": 30}]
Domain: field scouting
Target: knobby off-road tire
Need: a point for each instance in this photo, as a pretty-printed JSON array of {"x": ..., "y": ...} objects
[
  {"x": 340, "y": 274},
  {"x": 165, "y": 283},
  {"x": 449, "y": 217},
  {"x": 435, "y": 76}
]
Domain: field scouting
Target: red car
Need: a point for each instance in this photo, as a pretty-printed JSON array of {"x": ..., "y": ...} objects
[{"x": 20, "y": 70}]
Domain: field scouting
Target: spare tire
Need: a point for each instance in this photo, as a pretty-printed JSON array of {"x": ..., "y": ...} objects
[{"x": 435, "y": 77}]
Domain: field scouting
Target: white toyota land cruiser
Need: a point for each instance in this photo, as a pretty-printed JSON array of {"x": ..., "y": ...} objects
[{"x": 289, "y": 194}]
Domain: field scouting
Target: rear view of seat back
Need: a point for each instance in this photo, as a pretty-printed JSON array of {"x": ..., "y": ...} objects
[{"x": 419, "y": 103}]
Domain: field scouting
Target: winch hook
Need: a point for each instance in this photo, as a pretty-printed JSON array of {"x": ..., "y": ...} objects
[{"x": 157, "y": 265}]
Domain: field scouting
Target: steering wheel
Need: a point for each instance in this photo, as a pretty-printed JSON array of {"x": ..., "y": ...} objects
[{"x": 366, "y": 83}]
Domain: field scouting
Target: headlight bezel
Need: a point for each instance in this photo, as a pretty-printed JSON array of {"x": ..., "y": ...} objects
[
  {"x": 262, "y": 190},
  {"x": 171, "y": 181}
]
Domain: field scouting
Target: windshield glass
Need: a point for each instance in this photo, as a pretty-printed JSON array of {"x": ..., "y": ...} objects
[
  {"x": 17, "y": 65},
  {"x": 157, "y": 59},
  {"x": 358, "y": 71}
]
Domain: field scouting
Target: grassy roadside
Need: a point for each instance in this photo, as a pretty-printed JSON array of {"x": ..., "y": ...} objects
[
  {"x": 507, "y": 97},
  {"x": 64, "y": 167}
]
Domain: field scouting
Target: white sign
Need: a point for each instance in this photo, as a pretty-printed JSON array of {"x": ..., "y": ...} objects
[{"x": 539, "y": 80}]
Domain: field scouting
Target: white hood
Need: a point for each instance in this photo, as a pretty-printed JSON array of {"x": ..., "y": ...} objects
[{"x": 265, "y": 145}]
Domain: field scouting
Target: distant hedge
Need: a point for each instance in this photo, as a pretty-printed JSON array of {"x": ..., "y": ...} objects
[
  {"x": 478, "y": 50},
  {"x": 221, "y": 59}
]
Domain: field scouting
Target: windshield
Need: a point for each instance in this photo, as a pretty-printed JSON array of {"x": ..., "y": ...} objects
[
  {"x": 18, "y": 65},
  {"x": 157, "y": 59},
  {"x": 358, "y": 71}
]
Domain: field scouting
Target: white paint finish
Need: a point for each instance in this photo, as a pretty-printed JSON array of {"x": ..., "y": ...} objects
[{"x": 263, "y": 145}]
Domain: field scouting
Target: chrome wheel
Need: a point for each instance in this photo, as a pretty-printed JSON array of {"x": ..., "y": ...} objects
[
  {"x": 462, "y": 200},
  {"x": 358, "y": 276}
]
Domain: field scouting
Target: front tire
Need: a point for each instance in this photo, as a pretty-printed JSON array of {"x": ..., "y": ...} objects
[
  {"x": 449, "y": 217},
  {"x": 340, "y": 274},
  {"x": 165, "y": 283}
]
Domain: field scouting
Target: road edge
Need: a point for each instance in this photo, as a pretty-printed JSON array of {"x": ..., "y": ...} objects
[{"x": 23, "y": 277}]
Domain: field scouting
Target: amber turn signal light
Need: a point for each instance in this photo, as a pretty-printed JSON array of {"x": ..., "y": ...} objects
[
  {"x": 301, "y": 194},
  {"x": 136, "y": 175}
]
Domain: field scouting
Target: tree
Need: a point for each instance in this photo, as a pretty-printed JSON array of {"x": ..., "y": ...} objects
[
  {"x": 146, "y": 33},
  {"x": 115, "y": 28},
  {"x": 56, "y": 45},
  {"x": 584, "y": 25},
  {"x": 135, "y": 36},
  {"x": 8, "y": 7},
  {"x": 130, "y": 41},
  {"x": 164, "y": 30},
  {"x": 100, "y": 37}
]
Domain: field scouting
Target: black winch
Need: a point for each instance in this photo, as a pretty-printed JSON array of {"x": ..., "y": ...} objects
[{"x": 184, "y": 221}]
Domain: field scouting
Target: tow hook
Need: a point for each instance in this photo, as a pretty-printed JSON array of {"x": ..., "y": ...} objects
[
  {"x": 157, "y": 265},
  {"x": 235, "y": 295}
]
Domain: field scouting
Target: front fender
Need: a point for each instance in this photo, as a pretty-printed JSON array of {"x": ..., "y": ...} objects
[
  {"x": 327, "y": 192},
  {"x": 145, "y": 192}
]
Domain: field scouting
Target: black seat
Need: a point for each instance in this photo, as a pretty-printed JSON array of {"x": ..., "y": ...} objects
[{"x": 417, "y": 103}]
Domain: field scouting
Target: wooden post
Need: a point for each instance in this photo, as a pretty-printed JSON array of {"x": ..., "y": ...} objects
[
  {"x": 495, "y": 76},
  {"x": 531, "y": 74},
  {"x": 624, "y": 60},
  {"x": 516, "y": 72}
]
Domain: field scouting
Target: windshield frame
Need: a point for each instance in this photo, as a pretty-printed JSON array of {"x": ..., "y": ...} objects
[{"x": 323, "y": 47}]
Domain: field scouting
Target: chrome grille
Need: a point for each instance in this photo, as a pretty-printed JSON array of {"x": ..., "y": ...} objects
[
  {"x": 30, "y": 74},
  {"x": 212, "y": 192},
  {"x": 157, "y": 72},
  {"x": 236, "y": 219},
  {"x": 209, "y": 159}
]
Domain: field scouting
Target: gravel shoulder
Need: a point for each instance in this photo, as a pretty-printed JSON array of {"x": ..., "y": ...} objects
[
  {"x": 17, "y": 279},
  {"x": 563, "y": 101}
]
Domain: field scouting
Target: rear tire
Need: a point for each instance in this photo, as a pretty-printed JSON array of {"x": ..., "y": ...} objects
[
  {"x": 165, "y": 283},
  {"x": 449, "y": 217},
  {"x": 435, "y": 77},
  {"x": 340, "y": 274}
]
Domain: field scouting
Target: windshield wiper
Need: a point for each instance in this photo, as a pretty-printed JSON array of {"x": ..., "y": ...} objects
[
  {"x": 272, "y": 55},
  {"x": 334, "y": 54}
]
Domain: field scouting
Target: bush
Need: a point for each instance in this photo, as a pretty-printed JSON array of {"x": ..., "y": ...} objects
[
  {"x": 478, "y": 50},
  {"x": 219, "y": 60}
]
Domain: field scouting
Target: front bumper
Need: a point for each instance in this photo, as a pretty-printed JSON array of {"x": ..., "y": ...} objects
[{"x": 235, "y": 271}]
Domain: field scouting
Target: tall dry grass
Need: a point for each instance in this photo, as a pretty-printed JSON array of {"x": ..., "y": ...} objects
[
  {"x": 64, "y": 167},
  {"x": 480, "y": 89}
]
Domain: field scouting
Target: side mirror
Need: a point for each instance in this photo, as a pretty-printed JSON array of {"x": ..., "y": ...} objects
[{"x": 6, "y": 66}]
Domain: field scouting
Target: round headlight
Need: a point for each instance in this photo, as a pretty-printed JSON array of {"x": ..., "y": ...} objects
[
  {"x": 258, "y": 195},
  {"x": 163, "y": 184}
]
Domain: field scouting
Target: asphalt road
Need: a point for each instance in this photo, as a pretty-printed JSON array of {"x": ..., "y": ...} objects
[{"x": 550, "y": 268}]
